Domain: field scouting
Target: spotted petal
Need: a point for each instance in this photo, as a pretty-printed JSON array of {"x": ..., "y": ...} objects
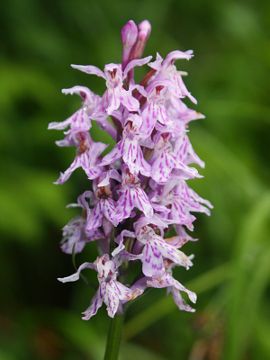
[
  {"x": 163, "y": 166},
  {"x": 111, "y": 298},
  {"x": 129, "y": 101},
  {"x": 152, "y": 260},
  {"x": 172, "y": 253},
  {"x": 96, "y": 303}
]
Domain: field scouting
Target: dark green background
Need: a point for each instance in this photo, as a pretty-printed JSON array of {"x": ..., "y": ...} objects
[{"x": 39, "y": 317}]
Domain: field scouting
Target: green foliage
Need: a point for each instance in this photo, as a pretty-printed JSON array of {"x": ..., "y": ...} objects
[{"x": 40, "y": 319}]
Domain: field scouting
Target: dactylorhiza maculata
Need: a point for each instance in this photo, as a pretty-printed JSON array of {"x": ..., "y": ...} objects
[{"x": 138, "y": 206}]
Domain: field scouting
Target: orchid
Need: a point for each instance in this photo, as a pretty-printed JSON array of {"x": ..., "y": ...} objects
[
  {"x": 129, "y": 147},
  {"x": 110, "y": 291},
  {"x": 116, "y": 94},
  {"x": 138, "y": 205}
]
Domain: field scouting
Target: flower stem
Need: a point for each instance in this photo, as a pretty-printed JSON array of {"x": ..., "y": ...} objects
[{"x": 114, "y": 338}]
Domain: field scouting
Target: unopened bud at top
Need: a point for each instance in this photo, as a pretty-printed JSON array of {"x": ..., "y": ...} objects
[
  {"x": 129, "y": 34},
  {"x": 144, "y": 30},
  {"x": 144, "y": 33}
]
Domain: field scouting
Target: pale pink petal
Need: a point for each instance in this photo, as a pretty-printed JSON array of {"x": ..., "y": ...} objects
[
  {"x": 109, "y": 210},
  {"x": 172, "y": 253},
  {"x": 76, "y": 275},
  {"x": 112, "y": 156},
  {"x": 191, "y": 295},
  {"x": 110, "y": 174},
  {"x": 130, "y": 150},
  {"x": 163, "y": 166},
  {"x": 156, "y": 64},
  {"x": 142, "y": 202},
  {"x": 149, "y": 116},
  {"x": 125, "y": 204},
  {"x": 152, "y": 260},
  {"x": 113, "y": 100},
  {"x": 181, "y": 215},
  {"x": 125, "y": 233},
  {"x": 91, "y": 171},
  {"x": 177, "y": 55},
  {"x": 180, "y": 240},
  {"x": 86, "y": 94},
  {"x": 94, "y": 220},
  {"x": 126, "y": 294},
  {"x": 111, "y": 299},
  {"x": 60, "y": 125},
  {"x": 142, "y": 165},
  {"x": 201, "y": 200},
  {"x": 74, "y": 237},
  {"x": 129, "y": 101},
  {"x": 66, "y": 174},
  {"x": 89, "y": 69},
  {"x": 179, "y": 301},
  {"x": 136, "y": 62},
  {"x": 139, "y": 88},
  {"x": 96, "y": 303}
]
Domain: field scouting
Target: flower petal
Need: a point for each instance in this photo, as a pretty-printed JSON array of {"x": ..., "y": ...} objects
[
  {"x": 109, "y": 210},
  {"x": 111, "y": 100},
  {"x": 67, "y": 173},
  {"x": 129, "y": 101},
  {"x": 112, "y": 156},
  {"x": 179, "y": 301},
  {"x": 125, "y": 293},
  {"x": 142, "y": 202},
  {"x": 152, "y": 260},
  {"x": 94, "y": 220},
  {"x": 86, "y": 94},
  {"x": 89, "y": 69},
  {"x": 163, "y": 166},
  {"x": 136, "y": 62},
  {"x": 177, "y": 55},
  {"x": 76, "y": 275},
  {"x": 172, "y": 253},
  {"x": 125, "y": 204},
  {"x": 96, "y": 303},
  {"x": 149, "y": 119},
  {"x": 111, "y": 299}
]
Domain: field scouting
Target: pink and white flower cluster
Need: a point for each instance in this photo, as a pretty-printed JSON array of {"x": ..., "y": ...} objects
[{"x": 138, "y": 205}]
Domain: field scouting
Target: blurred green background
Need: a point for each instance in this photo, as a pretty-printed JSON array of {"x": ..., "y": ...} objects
[{"x": 39, "y": 317}]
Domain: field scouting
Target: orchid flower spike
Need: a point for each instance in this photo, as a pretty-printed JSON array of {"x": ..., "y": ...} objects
[{"x": 137, "y": 205}]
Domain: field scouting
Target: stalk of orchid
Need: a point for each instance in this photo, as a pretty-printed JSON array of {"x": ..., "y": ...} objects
[{"x": 138, "y": 206}]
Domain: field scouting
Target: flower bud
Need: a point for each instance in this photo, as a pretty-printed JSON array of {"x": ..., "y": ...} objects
[
  {"x": 144, "y": 30},
  {"x": 129, "y": 34},
  {"x": 144, "y": 33}
]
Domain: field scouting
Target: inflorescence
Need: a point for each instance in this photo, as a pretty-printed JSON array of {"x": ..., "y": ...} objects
[{"x": 138, "y": 205}]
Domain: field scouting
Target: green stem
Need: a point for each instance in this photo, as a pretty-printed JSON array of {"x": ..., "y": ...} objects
[{"x": 114, "y": 338}]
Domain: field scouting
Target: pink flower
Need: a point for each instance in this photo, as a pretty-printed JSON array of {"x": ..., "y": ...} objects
[
  {"x": 129, "y": 148},
  {"x": 110, "y": 292},
  {"x": 131, "y": 196},
  {"x": 166, "y": 70},
  {"x": 87, "y": 158},
  {"x": 116, "y": 94},
  {"x": 174, "y": 287},
  {"x": 167, "y": 157}
]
